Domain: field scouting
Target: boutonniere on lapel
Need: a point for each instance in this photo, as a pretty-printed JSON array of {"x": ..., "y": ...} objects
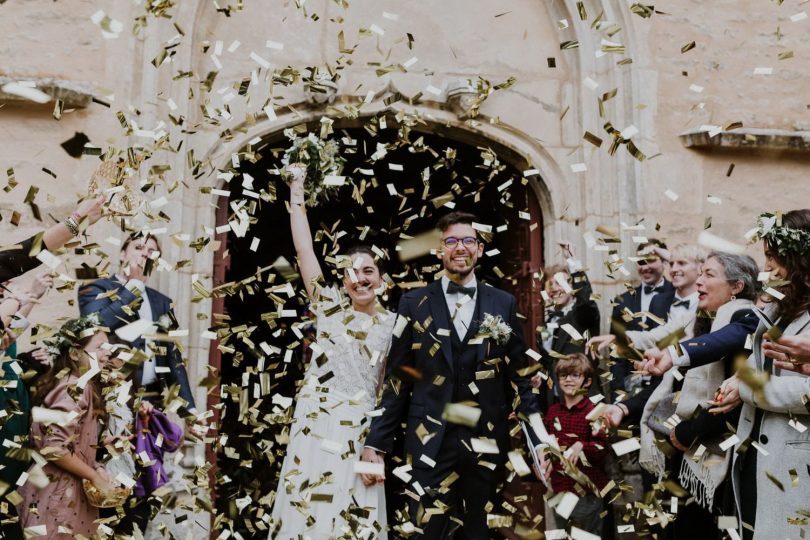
[
  {"x": 494, "y": 328},
  {"x": 164, "y": 323}
]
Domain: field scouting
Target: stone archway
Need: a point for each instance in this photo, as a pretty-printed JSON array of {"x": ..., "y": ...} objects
[{"x": 522, "y": 242}]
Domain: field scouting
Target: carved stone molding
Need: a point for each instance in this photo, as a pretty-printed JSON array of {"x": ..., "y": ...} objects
[
  {"x": 747, "y": 139},
  {"x": 73, "y": 94},
  {"x": 461, "y": 97}
]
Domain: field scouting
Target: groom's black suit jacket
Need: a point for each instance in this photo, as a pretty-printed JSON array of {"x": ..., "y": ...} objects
[{"x": 430, "y": 367}]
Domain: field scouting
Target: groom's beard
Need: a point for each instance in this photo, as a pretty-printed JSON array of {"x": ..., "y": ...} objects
[{"x": 461, "y": 274}]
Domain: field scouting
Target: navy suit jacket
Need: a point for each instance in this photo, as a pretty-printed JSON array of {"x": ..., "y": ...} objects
[
  {"x": 420, "y": 373},
  {"x": 583, "y": 316},
  {"x": 731, "y": 338},
  {"x": 112, "y": 314},
  {"x": 659, "y": 306}
]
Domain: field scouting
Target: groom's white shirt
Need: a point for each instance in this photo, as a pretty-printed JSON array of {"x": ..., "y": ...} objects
[{"x": 461, "y": 306}]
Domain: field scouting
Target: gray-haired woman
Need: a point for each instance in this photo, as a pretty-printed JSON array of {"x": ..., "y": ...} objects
[{"x": 677, "y": 413}]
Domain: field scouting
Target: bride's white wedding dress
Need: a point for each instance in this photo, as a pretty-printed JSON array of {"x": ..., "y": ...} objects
[{"x": 319, "y": 495}]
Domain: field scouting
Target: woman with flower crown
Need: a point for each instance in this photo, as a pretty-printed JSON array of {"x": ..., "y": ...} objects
[
  {"x": 64, "y": 431},
  {"x": 320, "y": 495},
  {"x": 770, "y": 461}
]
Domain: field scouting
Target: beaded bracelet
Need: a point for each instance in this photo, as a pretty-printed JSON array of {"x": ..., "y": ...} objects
[{"x": 72, "y": 225}]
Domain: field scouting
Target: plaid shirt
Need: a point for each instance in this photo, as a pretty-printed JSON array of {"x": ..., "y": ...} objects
[{"x": 570, "y": 426}]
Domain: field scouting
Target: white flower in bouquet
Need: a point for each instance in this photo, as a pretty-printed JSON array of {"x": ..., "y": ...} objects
[
  {"x": 495, "y": 328},
  {"x": 321, "y": 158}
]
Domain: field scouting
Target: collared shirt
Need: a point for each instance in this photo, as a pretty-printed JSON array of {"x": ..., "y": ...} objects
[
  {"x": 570, "y": 426},
  {"x": 144, "y": 313},
  {"x": 461, "y": 306},
  {"x": 646, "y": 298},
  {"x": 682, "y": 310},
  {"x": 553, "y": 323}
]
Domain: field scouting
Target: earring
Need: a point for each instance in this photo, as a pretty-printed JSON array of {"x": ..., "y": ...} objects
[{"x": 733, "y": 297}]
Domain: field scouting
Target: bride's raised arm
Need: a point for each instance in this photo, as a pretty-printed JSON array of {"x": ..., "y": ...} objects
[{"x": 301, "y": 233}]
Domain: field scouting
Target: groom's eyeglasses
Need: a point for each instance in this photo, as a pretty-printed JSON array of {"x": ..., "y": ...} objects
[{"x": 452, "y": 241}]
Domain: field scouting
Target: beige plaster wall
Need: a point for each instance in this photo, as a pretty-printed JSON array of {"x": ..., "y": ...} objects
[{"x": 452, "y": 39}]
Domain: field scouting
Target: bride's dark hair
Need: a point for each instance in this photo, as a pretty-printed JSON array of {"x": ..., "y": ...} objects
[
  {"x": 797, "y": 264},
  {"x": 366, "y": 250}
]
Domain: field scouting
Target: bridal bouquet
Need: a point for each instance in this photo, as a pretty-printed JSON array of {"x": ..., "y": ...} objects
[
  {"x": 322, "y": 161},
  {"x": 495, "y": 328}
]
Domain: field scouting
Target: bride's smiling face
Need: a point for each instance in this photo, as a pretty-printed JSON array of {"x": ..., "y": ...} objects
[{"x": 362, "y": 291}]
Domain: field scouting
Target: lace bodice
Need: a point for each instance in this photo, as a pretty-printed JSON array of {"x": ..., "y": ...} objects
[{"x": 349, "y": 353}]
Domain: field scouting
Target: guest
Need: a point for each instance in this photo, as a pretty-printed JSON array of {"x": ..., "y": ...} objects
[
  {"x": 19, "y": 260},
  {"x": 354, "y": 334},
  {"x": 576, "y": 438},
  {"x": 15, "y": 308},
  {"x": 568, "y": 306},
  {"x": 771, "y": 450},
  {"x": 727, "y": 288},
  {"x": 163, "y": 367},
  {"x": 685, "y": 262},
  {"x": 123, "y": 299},
  {"x": 14, "y": 397},
  {"x": 69, "y": 440},
  {"x": 118, "y": 455},
  {"x": 628, "y": 314},
  {"x": 789, "y": 352}
]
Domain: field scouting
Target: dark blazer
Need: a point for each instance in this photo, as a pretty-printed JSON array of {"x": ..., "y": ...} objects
[
  {"x": 711, "y": 347},
  {"x": 15, "y": 262},
  {"x": 620, "y": 370},
  {"x": 113, "y": 315},
  {"x": 583, "y": 316},
  {"x": 419, "y": 376},
  {"x": 659, "y": 306}
]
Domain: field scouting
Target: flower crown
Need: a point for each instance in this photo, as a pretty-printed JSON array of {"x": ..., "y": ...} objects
[
  {"x": 785, "y": 240},
  {"x": 72, "y": 332}
]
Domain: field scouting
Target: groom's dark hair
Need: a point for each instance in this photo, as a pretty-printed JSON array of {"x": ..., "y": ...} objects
[{"x": 453, "y": 218}]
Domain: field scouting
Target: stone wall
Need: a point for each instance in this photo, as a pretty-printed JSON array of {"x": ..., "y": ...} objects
[{"x": 453, "y": 39}]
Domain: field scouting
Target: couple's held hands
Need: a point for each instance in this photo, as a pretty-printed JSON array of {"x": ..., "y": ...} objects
[
  {"x": 372, "y": 456},
  {"x": 790, "y": 353},
  {"x": 727, "y": 397}
]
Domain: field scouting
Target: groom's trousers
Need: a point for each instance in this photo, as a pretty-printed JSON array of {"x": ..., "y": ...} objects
[{"x": 464, "y": 516}]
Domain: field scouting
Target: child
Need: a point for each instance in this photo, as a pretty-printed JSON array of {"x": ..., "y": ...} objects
[
  {"x": 65, "y": 431},
  {"x": 583, "y": 451}
]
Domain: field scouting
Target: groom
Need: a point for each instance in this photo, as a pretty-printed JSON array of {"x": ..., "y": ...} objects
[{"x": 439, "y": 365}]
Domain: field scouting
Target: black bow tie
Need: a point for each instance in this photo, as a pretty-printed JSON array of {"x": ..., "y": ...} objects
[
  {"x": 455, "y": 288},
  {"x": 648, "y": 289},
  {"x": 682, "y": 302}
]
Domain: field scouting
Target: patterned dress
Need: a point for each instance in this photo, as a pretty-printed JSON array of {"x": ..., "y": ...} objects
[
  {"x": 61, "y": 506},
  {"x": 320, "y": 496}
]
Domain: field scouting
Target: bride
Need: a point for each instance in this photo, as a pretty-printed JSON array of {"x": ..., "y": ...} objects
[{"x": 320, "y": 496}]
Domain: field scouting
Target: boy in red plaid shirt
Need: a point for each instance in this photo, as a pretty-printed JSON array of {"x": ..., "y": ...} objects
[{"x": 584, "y": 451}]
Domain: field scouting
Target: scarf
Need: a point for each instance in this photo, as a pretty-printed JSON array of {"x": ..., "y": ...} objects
[
  {"x": 153, "y": 475},
  {"x": 700, "y": 476}
]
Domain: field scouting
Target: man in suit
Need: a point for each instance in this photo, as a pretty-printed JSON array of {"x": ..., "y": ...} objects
[
  {"x": 568, "y": 305},
  {"x": 123, "y": 299},
  {"x": 653, "y": 295},
  {"x": 440, "y": 363}
]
